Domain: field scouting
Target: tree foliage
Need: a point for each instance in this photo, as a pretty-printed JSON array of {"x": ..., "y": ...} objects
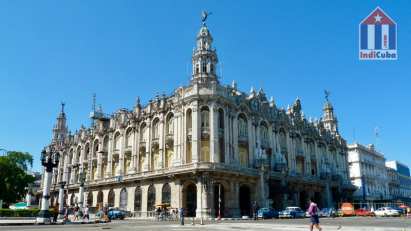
[{"x": 13, "y": 176}]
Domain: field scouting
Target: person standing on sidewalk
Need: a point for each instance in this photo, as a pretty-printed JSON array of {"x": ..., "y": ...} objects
[
  {"x": 313, "y": 212},
  {"x": 181, "y": 216}
]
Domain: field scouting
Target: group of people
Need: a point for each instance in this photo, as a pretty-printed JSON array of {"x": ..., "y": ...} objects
[
  {"x": 77, "y": 212},
  {"x": 163, "y": 213}
]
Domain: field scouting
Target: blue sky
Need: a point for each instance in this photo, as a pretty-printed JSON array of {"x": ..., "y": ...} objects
[{"x": 53, "y": 51}]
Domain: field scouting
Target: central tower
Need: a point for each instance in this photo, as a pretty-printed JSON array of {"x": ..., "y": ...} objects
[{"x": 204, "y": 58}]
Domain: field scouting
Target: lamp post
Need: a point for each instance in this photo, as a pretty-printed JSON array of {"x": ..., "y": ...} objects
[
  {"x": 81, "y": 180},
  {"x": 50, "y": 160}
]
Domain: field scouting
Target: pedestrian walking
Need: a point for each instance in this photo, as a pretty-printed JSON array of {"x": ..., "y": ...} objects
[
  {"x": 55, "y": 213},
  {"x": 86, "y": 213},
  {"x": 181, "y": 216},
  {"x": 313, "y": 212},
  {"x": 65, "y": 219}
]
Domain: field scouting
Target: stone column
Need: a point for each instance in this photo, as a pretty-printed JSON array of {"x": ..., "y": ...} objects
[
  {"x": 121, "y": 158},
  {"x": 161, "y": 143},
  {"x": 213, "y": 134},
  {"x": 134, "y": 152},
  {"x": 110, "y": 156},
  {"x": 328, "y": 199},
  {"x": 251, "y": 141},
  {"x": 147, "y": 136},
  {"x": 99, "y": 159},
  {"x": 195, "y": 133},
  {"x": 226, "y": 137},
  {"x": 235, "y": 200},
  {"x": 61, "y": 197},
  {"x": 234, "y": 133},
  {"x": 202, "y": 200},
  {"x": 81, "y": 196},
  {"x": 177, "y": 148}
]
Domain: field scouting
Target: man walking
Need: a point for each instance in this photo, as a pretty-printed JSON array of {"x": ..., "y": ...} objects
[
  {"x": 181, "y": 215},
  {"x": 313, "y": 212}
]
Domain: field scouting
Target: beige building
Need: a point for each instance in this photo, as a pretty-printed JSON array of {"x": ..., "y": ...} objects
[{"x": 204, "y": 142}]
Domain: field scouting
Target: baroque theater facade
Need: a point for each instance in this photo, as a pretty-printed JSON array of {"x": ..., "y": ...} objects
[{"x": 209, "y": 148}]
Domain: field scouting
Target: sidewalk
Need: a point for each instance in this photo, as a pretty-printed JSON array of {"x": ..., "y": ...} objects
[{"x": 11, "y": 221}]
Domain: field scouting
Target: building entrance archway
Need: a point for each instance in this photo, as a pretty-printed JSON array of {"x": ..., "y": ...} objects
[
  {"x": 245, "y": 200},
  {"x": 100, "y": 199},
  {"x": 190, "y": 200}
]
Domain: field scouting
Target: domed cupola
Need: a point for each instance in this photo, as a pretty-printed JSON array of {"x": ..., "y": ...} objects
[{"x": 204, "y": 57}]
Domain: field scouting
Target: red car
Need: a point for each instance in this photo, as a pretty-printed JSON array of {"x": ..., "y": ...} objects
[{"x": 364, "y": 213}]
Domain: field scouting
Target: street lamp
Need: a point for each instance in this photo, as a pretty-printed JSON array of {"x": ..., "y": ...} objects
[
  {"x": 82, "y": 180},
  {"x": 50, "y": 160}
]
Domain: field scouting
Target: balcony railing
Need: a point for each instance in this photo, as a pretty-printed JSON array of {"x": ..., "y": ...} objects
[
  {"x": 205, "y": 132},
  {"x": 242, "y": 139},
  {"x": 189, "y": 133}
]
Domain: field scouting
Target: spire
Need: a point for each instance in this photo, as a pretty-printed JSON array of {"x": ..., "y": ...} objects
[
  {"x": 60, "y": 128},
  {"x": 62, "y": 108},
  {"x": 204, "y": 59},
  {"x": 329, "y": 120}
]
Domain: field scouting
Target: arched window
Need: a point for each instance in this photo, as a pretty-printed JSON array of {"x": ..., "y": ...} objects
[
  {"x": 105, "y": 144},
  {"x": 129, "y": 138},
  {"x": 123, "y": 199},
  {"x": 242, "y": 126},
  {"x": 87, "y": 151},
  {"x": 143, "y": 130},
  {"x": 78, "y": 154},
  {"x": 117, "y": 142},
  {"x": 95, "y": 148},
  {"x": 264, "y": 135},
  {"x": 156, "y": 134},
  {"x": 137, "y": 199},
  {"x": 203, "y": 67},
  {"x": 151, "y": 198},
  {"x": 205, "y": 121},
  {"x": 90, "y": 199},
  {"x": 166, "y": 194},
  {"x": 111, "y": 196},
  {"x": 100, "y": 199},
  {"x": 170, "y": 128}
]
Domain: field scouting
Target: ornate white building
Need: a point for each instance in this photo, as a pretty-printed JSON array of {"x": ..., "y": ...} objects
[
  {"x": 203, "y": 142},
  {"x": 368, "y": 173}
]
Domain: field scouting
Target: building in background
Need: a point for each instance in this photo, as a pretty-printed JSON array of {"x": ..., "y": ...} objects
[
  {"x": 402, "y": 186},
  {"x": 368, "y": 173},
  {"x": 205, "y": 143}
]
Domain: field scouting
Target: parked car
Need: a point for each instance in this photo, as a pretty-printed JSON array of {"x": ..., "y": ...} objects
[
  {"x": 402, "y": 211},
  {"x": 116, "y": 214},
  {"x": 364, "y": 212},
  {"x": 291, "y": 212},
  {"x": 327, "y": 212},
  {"x": 267, "y": 213},
  {"x": 386, "y": 211}
]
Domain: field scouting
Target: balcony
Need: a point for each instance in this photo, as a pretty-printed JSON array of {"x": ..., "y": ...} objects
[
  {"x": 189, "y": 133},
  {"x": 154, "y": 140},
  {"x": 242, "y": 139},
  {"x": 205, "y": 133},
  {"x": 169, "y": 140}
]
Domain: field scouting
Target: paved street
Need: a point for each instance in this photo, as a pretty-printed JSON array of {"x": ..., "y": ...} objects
[{"x": 345, "y": 224}]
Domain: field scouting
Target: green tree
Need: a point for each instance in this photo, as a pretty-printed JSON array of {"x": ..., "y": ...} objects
[{"x": 13, "y": 176}]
